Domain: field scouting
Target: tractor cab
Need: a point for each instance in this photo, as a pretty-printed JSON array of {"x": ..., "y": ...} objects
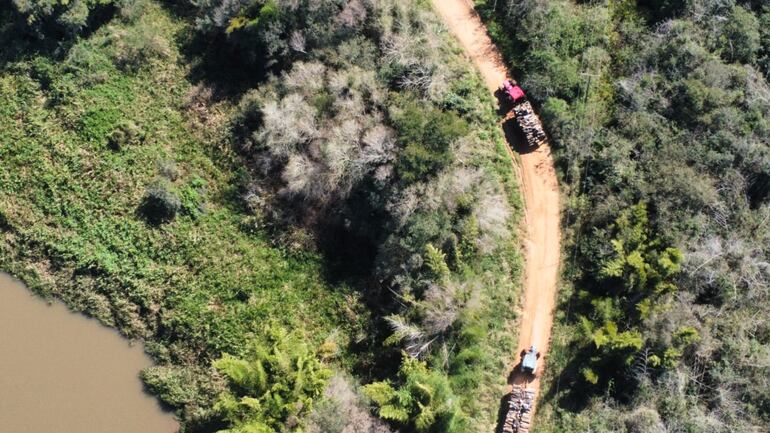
[
  {"x": 513, "y": 92},
  {"x": 529, "y": 360}
]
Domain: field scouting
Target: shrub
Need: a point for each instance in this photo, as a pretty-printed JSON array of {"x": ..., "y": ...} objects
[
  {"x": 131, "y": 10},
  {"x": 270, "y": 34},
  {"x": 343, "y": 410},
  {"x": 425, "y": 133},
  {"x": 127, "y": 133},
  {"x": 192, "y": 389},
  {"x": 161, "y": 202},
  {"x": 193, "y": 197},
  {"x": 740, "y": 38},
  {"x": 168, "y": 169},
  {"x": 97, "y": 123},
  {"x": 134, "y": 47}
]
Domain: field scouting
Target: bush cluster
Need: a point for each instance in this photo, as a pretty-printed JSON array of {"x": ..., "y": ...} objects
[
  {"x": 271, "y": 34},
  {"x": 125, "y": 134},
  {"x": 161, "y": 202},
  {"x": 62, "y": 18}
]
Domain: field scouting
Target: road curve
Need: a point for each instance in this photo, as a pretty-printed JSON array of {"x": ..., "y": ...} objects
[{"x": 539, "y": 186}]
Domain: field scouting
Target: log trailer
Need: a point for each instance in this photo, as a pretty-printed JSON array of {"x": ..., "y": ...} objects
[
  {"x": 523, "y": 113},
  {"x": 518, "y": 419},
  {"x": 518, "y": 416}
]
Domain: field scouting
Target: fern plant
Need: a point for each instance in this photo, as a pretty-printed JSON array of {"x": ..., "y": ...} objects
[
  {"x": 422, "y": 401},
  {"x": 279, "y": 377}
]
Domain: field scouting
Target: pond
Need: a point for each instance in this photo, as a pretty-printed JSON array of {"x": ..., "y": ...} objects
[{"x": 61, "y": 372}]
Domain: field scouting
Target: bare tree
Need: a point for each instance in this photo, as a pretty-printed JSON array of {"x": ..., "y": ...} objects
[
  {"x": 353, "y": 14},
  {"x": 343, "y": 410},
  {"x": 287, "y": 124},
  {"x": 297, "y": 42}
]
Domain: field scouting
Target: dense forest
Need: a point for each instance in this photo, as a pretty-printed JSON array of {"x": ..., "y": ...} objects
[
  {"x": 659, "y": 113},
  {"x": 304, "y": 208}
]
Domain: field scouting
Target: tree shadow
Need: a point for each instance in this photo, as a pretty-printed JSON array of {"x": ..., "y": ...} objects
[
  {"x": 569, "y": 390},
  {"x": 566, "y": 391},
  {"x": 502, "y": 412},
  {"x": 19, "y": 42},
  {"x": 346, "y": 236},
  {"x": 345, "y": 232},
  {"x": 213, "y": 61},
  {"x": 217, "y": 66}
]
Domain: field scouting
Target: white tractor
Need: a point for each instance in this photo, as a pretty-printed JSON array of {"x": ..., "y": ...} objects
[{"x": 529, "y": 360}]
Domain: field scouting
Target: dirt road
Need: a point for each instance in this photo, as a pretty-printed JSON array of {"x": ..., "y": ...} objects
[{"x": 539, "y": 186}]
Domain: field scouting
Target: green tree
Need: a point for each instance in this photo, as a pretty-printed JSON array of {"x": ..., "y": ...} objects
[
  {"x": 44, "y": 16},
  {"x": 436, "y": 261},
  {"x": 637, "y": 273},
  {"x": 426, "y": 133},
  {"x": 740, "y": 38}
]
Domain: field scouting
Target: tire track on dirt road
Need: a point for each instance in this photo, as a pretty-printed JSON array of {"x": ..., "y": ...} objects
[{"x": 539, "y": 186}]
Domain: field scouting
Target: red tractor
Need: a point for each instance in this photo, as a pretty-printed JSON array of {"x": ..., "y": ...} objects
[{"x": 513, "y": 92}]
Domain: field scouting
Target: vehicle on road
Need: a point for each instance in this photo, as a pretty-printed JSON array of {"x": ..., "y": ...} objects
[
  {"x": 513, "y": 92},
  {"x": 529, "y": 360},
  {"x": 523, "y": 112}
]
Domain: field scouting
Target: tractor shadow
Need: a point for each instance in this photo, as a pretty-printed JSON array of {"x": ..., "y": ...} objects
[
  {"x": 514, "y": 136},
  {"x": 504, "y": 104},
  {"x": 519, "y": 377}
]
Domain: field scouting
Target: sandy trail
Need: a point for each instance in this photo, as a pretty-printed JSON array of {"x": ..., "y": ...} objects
[{"x": 539, "y": 186}]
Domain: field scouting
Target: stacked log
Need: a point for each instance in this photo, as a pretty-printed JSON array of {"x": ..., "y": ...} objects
[
  {"x": 518, "y": 419},
  {"x": 529, "y": 123}
]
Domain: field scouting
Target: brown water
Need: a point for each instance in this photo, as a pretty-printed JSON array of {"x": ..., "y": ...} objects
[{"x": 63, "y": 373}]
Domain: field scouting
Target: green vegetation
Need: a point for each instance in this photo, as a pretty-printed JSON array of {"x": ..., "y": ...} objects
[
  {"x": 423, "y": 401},
  {"x": 279, "y": 380},
  {"x": 52, "y": 18},
  {"x": 279, "y": 198},
  {"x": 634, "y": 279},
  {"x": 426, "y": 134},
  {"x": 75, "y": 224},
  {"x": 660, "y": 123}
]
